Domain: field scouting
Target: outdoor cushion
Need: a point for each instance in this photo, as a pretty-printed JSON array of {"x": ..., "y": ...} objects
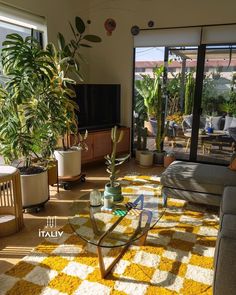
[
  {"x": 197, "y": 177},
  {"x": 228, "y": 121},
  {"x": 216, "y": 122},
  {"x": 233, "y": 123}
]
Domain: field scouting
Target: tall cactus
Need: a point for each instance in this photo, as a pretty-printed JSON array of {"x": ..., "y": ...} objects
[
  {"x": 111, "y": 160},
  {"x": 189, "y": 94}
]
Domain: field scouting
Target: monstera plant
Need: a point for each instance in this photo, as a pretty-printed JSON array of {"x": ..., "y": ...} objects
[{"x": 26, "y": 130}]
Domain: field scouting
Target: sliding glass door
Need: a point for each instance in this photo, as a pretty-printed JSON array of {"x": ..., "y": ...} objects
[
  {"x": 218, "y": 105},
  {"x": 199, "y": 96}
]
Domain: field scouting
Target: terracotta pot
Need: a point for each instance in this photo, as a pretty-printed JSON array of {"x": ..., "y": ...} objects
[{"x": 168, "y": 160}]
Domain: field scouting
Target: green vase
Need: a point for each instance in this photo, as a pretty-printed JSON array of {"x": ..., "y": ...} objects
[{"x": 115, "y": 191}]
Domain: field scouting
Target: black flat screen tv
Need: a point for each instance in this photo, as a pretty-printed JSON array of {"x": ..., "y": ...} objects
[{"x": 99, "y": 106}]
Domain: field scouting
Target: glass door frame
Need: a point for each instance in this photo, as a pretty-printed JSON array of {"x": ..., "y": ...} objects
[{"x": 197, "y": 101}]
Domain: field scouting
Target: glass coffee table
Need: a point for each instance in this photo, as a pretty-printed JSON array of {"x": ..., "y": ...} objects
[{"x": 119, "y": 228}]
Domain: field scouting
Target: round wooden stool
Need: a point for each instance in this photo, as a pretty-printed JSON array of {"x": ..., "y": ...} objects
[{"x": 11, "y": 215}]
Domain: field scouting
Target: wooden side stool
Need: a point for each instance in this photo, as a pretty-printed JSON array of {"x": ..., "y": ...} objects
[{"x": 11, "y": 214}]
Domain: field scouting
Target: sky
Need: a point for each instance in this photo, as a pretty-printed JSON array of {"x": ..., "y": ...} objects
[{"x": 149, "y": 53}]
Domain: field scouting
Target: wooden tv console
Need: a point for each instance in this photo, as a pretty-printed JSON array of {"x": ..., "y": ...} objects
[{"x": 100, "y": 144}]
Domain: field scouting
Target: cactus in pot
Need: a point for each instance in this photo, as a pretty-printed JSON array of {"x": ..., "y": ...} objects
[{"x": 113, "y": 187}]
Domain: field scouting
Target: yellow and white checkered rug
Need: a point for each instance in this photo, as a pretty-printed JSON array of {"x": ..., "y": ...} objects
[{"x": 177, "y": 258}]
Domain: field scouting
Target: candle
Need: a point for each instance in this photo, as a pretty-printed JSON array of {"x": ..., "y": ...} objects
[{"x": 108, "y": 201}]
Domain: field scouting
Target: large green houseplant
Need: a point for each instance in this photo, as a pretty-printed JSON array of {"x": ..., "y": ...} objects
[
  {"x": 68, "y": 58},
  {"x": 26, "y": 122}
]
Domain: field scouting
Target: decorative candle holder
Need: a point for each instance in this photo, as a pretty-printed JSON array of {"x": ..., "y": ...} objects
[{"x": 95, "y": 198}]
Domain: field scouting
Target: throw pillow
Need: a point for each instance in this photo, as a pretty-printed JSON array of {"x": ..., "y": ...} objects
[
  {"x": 216, "y": 122},
  {"x": 189, "y": 120},
  {"x": 232, "y": 165},
  {"x": 228, "y": 121},
  {"x": 233, "y": 122}
]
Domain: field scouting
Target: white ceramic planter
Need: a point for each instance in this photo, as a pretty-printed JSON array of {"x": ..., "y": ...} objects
[
  {"x": 137, "y": 155},
  {"x": 146, "y": 159},
  {"x": 69, "y": 162},
  {"x": 34, "y": 189}
]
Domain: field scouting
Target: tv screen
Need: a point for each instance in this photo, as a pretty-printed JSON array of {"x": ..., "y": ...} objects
[{"x": 99, "y": 105}]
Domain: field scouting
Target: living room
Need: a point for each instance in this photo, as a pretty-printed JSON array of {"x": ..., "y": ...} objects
[{"x": 109, "y": 222}]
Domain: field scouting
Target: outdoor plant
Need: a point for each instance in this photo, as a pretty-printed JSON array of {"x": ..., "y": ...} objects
[
  {"x": 140, "y": 115},
  {"x": 150, "y": 88},
  {"x": 147, "y": 88},
  {"x": 111, "y": 161},
  {"x": 189, "y": 94}
]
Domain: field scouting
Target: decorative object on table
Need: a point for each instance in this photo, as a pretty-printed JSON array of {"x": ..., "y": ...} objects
[
  {"x": 135, "y": 30},
  {"x": 169, "y": 158},
  {"x": 113, "y": 188},
  {"x": 134, "y": 212},
  {"x": 107, "y": 202},
  {"x": 120, "y": 212},
  {"x": 110, "y": 26},
  {"x": 95, "y": 198},
  {"x": 210, "y": 130}
]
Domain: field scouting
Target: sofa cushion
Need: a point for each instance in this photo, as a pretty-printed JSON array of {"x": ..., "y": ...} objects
[
  {"x": 198, "y": 177},
  {"x": 228, "y": 205}
]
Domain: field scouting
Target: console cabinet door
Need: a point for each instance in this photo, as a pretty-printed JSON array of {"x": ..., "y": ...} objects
[
  {"x": 101, "y": 144},
  {"x": 123, "y": 146}
]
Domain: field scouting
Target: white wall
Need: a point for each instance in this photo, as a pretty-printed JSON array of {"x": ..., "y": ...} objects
[{"x": 112, "y": 60}]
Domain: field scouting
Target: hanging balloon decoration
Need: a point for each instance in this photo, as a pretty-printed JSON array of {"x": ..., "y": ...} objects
[{"x": 110, "y": 26}]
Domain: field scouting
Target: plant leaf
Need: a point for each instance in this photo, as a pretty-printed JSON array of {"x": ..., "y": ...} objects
[
  {"x": 92, "y": 38},
  {"x": 80, "y": 26},
  {"x": 61, "y": 41}
]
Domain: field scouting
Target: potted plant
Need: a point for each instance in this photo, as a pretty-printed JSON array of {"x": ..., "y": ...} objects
[
  {"x": 113, "y": 187},
  {"x": 68, "y": 59},
  {"x": 150, "y": 88},
  {"x": 24, "y": 112}
]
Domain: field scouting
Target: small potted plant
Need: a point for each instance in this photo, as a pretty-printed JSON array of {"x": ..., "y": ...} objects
[{"x": 113, "y": 187}]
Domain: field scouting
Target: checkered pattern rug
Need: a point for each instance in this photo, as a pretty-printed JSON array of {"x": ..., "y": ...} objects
[{"x": 177, "y": 258}]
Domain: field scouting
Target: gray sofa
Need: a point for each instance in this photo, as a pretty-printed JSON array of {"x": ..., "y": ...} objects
[
  {"x": 213, "y": 185},
  {"x": 199, "y": 183},
  {"x": 225, "y": 253}
]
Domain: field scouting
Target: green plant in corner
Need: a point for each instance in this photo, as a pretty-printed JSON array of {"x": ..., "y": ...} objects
[
  {"x": 113, "y": 187},
  {"x": 69, "y": 53},
  {"x": 24, "y": 98}
]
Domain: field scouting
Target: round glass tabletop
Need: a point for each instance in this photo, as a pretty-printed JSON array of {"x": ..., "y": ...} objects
[{"x": 120, "y": 227}]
